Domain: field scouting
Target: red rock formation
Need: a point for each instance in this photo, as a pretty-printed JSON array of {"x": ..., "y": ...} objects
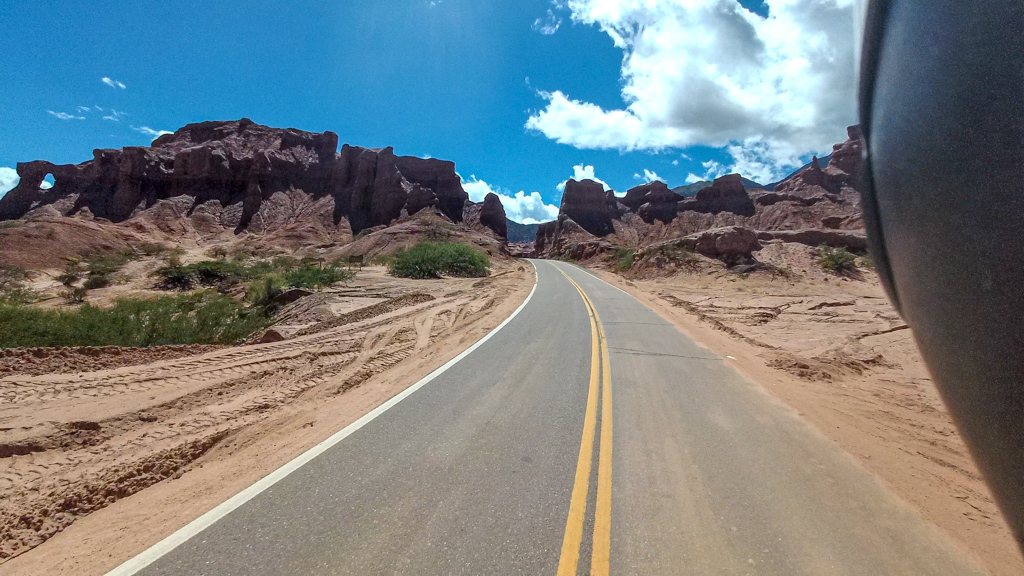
[
  {"x": 726, "y": 194},
  {"x": 243, "y": 164},
  {"x": 492, "y": 215},
  {"x": 588, "y": 205},
  {"x": 488, "y": 215},
  {"x": 652, "y": 201},
  {"x": 797, "y": 211}
]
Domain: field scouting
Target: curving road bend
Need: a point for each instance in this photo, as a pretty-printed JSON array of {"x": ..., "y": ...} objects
[{"x": 587, "y": 435}]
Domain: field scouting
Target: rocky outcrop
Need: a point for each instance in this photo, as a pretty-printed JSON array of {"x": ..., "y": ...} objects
[
  {"x": 492, "y": 215},
  {"x": 487, "y": 216},
  {"x": 731, "y": 244},
  {"x": 855, "y": 241},
  {"x": 836, "y": 179},
  {"x": 725, "y": 194},
  {"x": 243, "y": 164},
  {"x": 589, "y": 206},
  {"x": 652, "y": 201},
  {"x": 815, "y": 205}
]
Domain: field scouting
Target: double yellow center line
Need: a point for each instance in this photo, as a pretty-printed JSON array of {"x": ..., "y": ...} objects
[{"x": 600, "y": 384}]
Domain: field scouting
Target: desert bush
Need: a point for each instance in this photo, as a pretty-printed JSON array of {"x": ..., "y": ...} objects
[
  {"x": 108, "y": 264},
  {"x": 217, "y": 252},
  {"x": 74, "y": 295},
  {"x": 205, "y": 273},
  {"x": 316, "y": 277},
  {"x": 151, "y": 249},
  {"x": 186, "y": 319},
  {"x": 173, "y": 256},
  {"x": 669, "y": 254},
  {"x": 262, "y": 290},
  {"x": 11, "y": 224},
  {"x": 12, "y": 286},
  {"x": 98, "y": 281},
  {"x": 69, "y": 278},
  {"x": 284, "y": 263},
  {"x": 838, "y": 260},
  {"x": 431, "y": 260},
  {"x": 624, "y": 259}
]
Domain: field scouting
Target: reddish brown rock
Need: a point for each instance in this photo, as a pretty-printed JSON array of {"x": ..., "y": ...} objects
[
  {"x": 241, "y": 166},
  {"x": 487, "y": 216},
  {"x": 837, "y": 178},
  {"x": 726, "y": 194},
  {"x": 652, "y": 201},
  {"x": 589, "y": 206},
  {"x": 492, "y": 215}
]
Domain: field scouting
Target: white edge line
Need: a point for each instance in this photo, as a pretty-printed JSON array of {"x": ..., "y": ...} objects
[{"x": 196, "y": 526}]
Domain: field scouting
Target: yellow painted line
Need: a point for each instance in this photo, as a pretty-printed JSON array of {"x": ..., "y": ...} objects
[
  {"x": 600, "y": 370},
  {"x": 600, "y": 561},
  {"x": 569, "y": 559}
]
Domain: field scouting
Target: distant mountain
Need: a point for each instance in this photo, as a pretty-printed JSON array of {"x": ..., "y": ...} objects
[
  {"x": 521, "y": 232},
  {"x": 691, "y": 189},
  {"x": 822, "y": 162}
]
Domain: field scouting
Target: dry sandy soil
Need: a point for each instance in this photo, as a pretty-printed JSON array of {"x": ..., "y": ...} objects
[
  {"x": 835, "y": 350},
  {"x": 97, "y": 465}
]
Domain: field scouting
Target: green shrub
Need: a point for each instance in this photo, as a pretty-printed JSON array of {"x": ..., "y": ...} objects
[
  {"x": 152, "y": 249},
  {"x": 624, "y": 259},
  {"x": 262, "y": 290},
  {"x": 431, "y": 260},
  {"x": 838, "y": 260},
  {"x": 74, "y": 295},
  {"x": 316, "y": 277},
  {"x": 68, "y": 278},
  {"x": 284, "y": 263},
  {"x": 187, "y": 319},
  {"x": 11, "y": 224},
  {"x": 12, "y": 286},
  {"x": 109, "y": 264},
  {"x": 205, "y": 273},
  {"x": 97, "y": 281}
]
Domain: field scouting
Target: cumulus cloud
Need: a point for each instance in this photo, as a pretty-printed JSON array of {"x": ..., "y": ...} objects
[
  {"x": 714, "y": 169},
  {"x": 710, "y": 72},
  {"x": 548, "y": 24},
  {"x": 154, "y": 134},
  {"x": 583, "y": 172},
  {"x": 8, "y": 180},
  {"x": 113, "y": 83},
  {"x": 519, "y": 207},
  {"x": 65, "y": 115},
  {"x": 648, "y": 176}
]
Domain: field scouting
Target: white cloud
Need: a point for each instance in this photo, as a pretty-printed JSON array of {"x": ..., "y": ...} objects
[
  {"x": 8, "y": 180},
  {"x": 115, "y": 115},
  {"x": 519, "y": 207},
  {"x": 113, "y": 83},
  {"x": 691, "y": 178},
  {"x": 154, "y": 134},
  {"x": 583, "y": 172},
  {"x": 709, "y": 72},
  {"x": 82, "y": 109},
  {"x": 65, "y": 115},
  {"x": 675, "y": 162},
  {"x": 548, "y": 24},
  {"x": 648, "y": 176}
]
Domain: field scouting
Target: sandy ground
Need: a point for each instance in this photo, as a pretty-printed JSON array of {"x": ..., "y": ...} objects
[
  {"x": 96, "y": 466},
  {"x": 835, "y": 350}
]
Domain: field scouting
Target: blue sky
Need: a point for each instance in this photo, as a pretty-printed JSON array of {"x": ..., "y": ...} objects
[{"x": 516, "y": 93}]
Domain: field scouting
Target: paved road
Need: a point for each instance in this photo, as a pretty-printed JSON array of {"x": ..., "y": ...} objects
[{"x": 683, "y": 468}]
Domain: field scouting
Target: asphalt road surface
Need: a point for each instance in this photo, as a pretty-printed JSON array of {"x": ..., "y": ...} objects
[{"x": 588, "y": 435}]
